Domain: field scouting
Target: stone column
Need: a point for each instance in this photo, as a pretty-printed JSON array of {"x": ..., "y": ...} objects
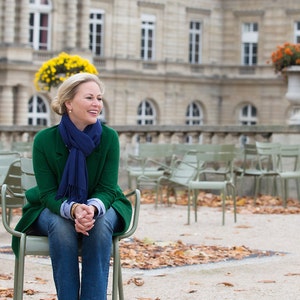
[
  {"x": 9, "y": 21},
  {"x": 21, "y": 116},
  {"x": 7, "y": 106},
  {"x": 24, "y": 23},
  {"x": 71, "y": 21},
  {"x": 84, "y": 26}
]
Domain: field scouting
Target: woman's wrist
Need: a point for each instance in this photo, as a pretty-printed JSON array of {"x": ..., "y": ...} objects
[{"x": 73, "y": 208}]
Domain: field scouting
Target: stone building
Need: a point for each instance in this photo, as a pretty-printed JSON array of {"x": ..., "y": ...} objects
[{"x": 163, "y": 62}]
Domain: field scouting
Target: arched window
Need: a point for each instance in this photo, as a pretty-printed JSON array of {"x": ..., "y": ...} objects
[
  {"x": 193, "y": 116},
  {"x": 40, "y": 24},
  {"x": 146, "y": 113},
  {"x": 248, "y": 115},
  {"x": 38, "y": 111}
]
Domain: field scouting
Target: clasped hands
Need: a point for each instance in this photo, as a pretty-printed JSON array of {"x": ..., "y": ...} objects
[{"x": 84, "y": 218}]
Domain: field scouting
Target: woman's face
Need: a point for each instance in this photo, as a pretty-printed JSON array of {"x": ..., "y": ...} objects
[{"x": 86, "y": 106}]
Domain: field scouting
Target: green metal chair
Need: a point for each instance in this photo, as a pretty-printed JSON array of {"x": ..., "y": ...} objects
[
  {"x": 38, "y": 245},
  {"x": 268, "y": 155},
  {"x": 181, "y": 172},
  {"x": 15, "y": 196},
  {"x": 289, "y": 168},
  {"x": 213, "y": 160},
  {"x": 249, "y": 166}
]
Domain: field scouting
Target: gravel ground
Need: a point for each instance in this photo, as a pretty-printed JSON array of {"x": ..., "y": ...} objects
[{"x": 274, "y": 277}]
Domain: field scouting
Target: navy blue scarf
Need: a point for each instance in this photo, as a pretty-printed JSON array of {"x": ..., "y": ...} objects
[{"x": 74, "y": 183}]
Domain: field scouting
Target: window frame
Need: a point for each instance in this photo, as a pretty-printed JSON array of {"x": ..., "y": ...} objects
[
  {"x": 194, "y": 33},
  {"x": 148, "y": 35},
  {"x": 35, "y": 115},
  {"x": 38, "y": 10},
  {"x": 249, "y": 51},
  {"x": 93, "y": 34}
]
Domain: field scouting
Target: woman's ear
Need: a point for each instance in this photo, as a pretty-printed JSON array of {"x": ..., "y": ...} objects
[{"x": 68, "y": 105}]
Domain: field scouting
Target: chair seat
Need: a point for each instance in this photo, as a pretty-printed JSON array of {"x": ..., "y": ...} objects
[
  {"x": 37, "y": 245},
  {"x": 207, "y": 184}
]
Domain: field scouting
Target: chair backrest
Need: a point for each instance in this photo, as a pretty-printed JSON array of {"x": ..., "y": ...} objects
[
  {"x": 28, "y": 179},
  {"x": 289, "y": 158},
  {"x": 216, "y": 163},
  {"x": 14, "y": 195},
  {"x": 250, "y": 160},
  {"x": 185, "y": 169},
  {"x": 268, "y": 155},
  {"x": 6, "y": 158}
]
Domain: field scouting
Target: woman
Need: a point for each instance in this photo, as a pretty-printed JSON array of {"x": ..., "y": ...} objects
[{"x": 77, "y": 200}]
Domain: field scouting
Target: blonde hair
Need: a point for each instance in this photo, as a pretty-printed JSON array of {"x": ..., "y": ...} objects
[{"x": 69, "y": 88}]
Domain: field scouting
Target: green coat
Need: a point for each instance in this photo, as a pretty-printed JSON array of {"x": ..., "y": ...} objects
[{"x": 49, "y": 159}]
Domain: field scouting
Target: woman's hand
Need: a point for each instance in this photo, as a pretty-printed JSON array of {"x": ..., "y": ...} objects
[{"x": 84, "y": 218}]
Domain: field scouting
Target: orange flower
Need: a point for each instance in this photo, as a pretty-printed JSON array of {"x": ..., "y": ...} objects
[{"x": 285, "y": 55}]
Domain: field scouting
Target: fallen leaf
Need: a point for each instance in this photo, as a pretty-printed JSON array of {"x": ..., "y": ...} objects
[
  {"x": 5, "y": 277},
  {"x": 267, "y": 281},
  {"x": 292, "y": 274},
  {"x": 226, "y": 284}
]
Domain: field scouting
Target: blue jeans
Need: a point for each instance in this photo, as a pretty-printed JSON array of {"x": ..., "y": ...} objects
[{"x": 95, "y": 251}]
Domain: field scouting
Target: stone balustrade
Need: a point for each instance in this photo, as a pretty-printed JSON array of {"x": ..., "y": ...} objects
[{"x": 131, "y": 135}]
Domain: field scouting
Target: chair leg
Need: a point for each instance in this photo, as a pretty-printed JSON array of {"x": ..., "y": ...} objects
[
  {"x": 19, "y": 271},
  {"x": 116, "y": 269},
  {"x": 195, "y": 196},
  {"x": 120, "y": 283},
  {"x": 298, "y": 188},
  {"x": 189, "y": 206},
  {"x": 234, "y": 202},
  {"x": 223, "y": 206}
]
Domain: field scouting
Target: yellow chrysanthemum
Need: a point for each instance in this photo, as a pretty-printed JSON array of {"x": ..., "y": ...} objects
[{"x": 56, "y": 70}]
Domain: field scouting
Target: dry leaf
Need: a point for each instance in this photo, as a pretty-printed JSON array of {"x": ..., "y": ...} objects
[
  {"x": 226, "y": 284},
  {"x": 292, "y": 274},
  {"x": 5, "y": 277},
  {"x": 267, "y": 281}
]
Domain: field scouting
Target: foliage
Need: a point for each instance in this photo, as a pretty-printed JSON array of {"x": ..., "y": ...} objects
[
  {"x": 286, "y": 55},
  {"x": 56, "y": 70}
]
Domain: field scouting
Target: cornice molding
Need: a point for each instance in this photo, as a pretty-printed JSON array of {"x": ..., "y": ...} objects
[
  {"x": 292, "y": 11},
  {"x": 200, "y": 11},
  {"x": 150, "y": 4},
  {"x": 244, "y": 13}
]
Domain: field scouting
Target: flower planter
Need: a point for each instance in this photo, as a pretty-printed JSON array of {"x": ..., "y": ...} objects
[{"x": 293, "y": 93}]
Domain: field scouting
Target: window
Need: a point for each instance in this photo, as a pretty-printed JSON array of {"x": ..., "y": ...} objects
[
  {"x": 248, "y": 115},
  {"x": 147, "y": 38},
  {"x": 96, "y": 32},
  {"x": 146, "y": 113},
  {"x": 193, "y": 116},
  {"x": 249, "y": 44},
  {"x": 297, "y": 32},
  {"x": 38, "y": 111},
  {"x": 195, "y": 43},
  {"x": 39, "y": 24}
]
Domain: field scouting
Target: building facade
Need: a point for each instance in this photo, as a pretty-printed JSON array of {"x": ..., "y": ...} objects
[{"x": 163, "y": 62}]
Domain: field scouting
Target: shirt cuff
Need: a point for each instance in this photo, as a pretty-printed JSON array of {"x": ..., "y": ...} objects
[
  {"x": 65, "y": 209},
  {"x": 99, "y": 205}
]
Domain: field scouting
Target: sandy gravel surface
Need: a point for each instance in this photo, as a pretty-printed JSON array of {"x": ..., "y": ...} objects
[{"x": 275, "y": 277}]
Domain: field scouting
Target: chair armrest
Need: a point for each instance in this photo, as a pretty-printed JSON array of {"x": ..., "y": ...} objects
[
  {"x": 7, "y": 227},
  {"x": 135, "y": 216}
]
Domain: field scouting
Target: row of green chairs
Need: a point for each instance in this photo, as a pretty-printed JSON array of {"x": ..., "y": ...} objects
[
  {"x": 210, "y": 167},
  {"x": 271, "y": 161}
]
